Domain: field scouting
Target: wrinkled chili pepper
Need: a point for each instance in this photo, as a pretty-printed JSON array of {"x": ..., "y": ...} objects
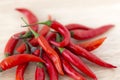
[
  {"x": 11, "y": 44},
  {"x": 59, "y": 28},
  {"x": 74, "y": 26},
  {"x": 70, "y": 57},
  {"x": 88, "y": 34},
  {"x": 53, "y": 74},
  {"x": 49, "y": 50},
  {"x": 15, "y": 60},
  {"x": 44, "y": 31},
  {"x": 92, "y": 45},
  {"x": 30, "y": 16},
  {"x": 70, "y": 71},
  {"x": 89, "y": 56},
  {"x": 20, "y": 71}
]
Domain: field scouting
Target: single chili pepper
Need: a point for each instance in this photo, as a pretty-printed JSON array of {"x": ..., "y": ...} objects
[
  {"x": 74, "y": 26},
  {"x": 39, "y": 73},
  {"x": 30, "y": 16},
  {"x": 70, "y": 71},
  {"x": 50, "y": 67},
  {"x": 44, "y": 31},
  {"x": 15, "y": 60},
  {"x": 49, "y": 50},
  {"x": 88, "y": 34},
  {"x": 89, "y": 56},
  {"x": 11, "y": 44},
  {"x": 92, "y": 45},
  {"x": 59, "y": 28},
  {"x": 70, "y": 57},
  {"x": 20, "y": 71}
]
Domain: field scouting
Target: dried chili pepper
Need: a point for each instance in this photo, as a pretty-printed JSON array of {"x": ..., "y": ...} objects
[
  {"x": 50, "y": 67},
  {"x": 49, "y": 50},
  {"x": 74, "y": 26},
  {"x": 20, "y": 71},
  {"x": 89, "y": 56},
  {"x": 30, "y": 16},
  {"x": 15, "y": 60},
  {"x": 33, "y": 41},
  {"x": 70, "y": 57},
  {"x": 11, "y": 44},
  {"x": 92, "y": 45},
  {"x": 70, "y": 71},
  {"x": 87, "y": 34}
]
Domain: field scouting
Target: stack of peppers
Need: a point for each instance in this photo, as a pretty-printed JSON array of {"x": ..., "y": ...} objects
[{"x": 54, "y": 50}]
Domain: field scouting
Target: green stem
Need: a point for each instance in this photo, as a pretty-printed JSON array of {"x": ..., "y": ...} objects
[
  {"x": 61, "y": 49},
  {"x": 34, "y": 33},
  {"x": 39, "y": 64},
  {"x": 71, "y": 33},
  {"x": 1, "y": 69},
  {"x": 26, "y": 35}
]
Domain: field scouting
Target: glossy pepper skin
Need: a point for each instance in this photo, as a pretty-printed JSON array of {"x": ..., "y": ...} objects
[
  {"x": 30, "y": 16},
  {"x": 92, "y": 45},
  {"x": 70, "y": 71},
  {"x": 89, "y": 56},
  {"x": 20, "y": 71},
  {"x": 74, "y": 26},
  {"x": 63, "y": 31},
  {"x": 11, "y": 44},
  {"x": 88, "y": 34},
  {"x": 44, "y": 31},
  {"x": 53, "y": 74},
  {"x": 15, "y": 60},
  {"x": 77, "y": 62}
]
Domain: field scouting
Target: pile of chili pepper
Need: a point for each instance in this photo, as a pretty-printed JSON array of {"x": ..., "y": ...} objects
[{"x": 54, "y": 50}]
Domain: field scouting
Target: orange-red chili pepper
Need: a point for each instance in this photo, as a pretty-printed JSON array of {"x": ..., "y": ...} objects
[
  {"x": 49, "y": 50},
  {"x": 89, "y": 56},
  {"x": 53, "y": 74},
  {"x": 15, "y": 60},
  {"x": 87, "y": 34},
  {"x": 11, "y": 44},
  {"x": 74, "y": 26},
  {"x": 44, "y": 31},
  {"x": 92, "y": 45},
  {"x": 30, "y": 16}
]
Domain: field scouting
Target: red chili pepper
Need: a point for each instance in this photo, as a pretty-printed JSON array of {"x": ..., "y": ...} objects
[
  {"x": 74, "y": 26},
  {"x": 87, "y": 34},
  {"x": 84, "y": 53},
  {"x": 33, "y": 41},
  {"x": 20, "y": 71},
  {"x": 49, "y": 50},
  {"x": 92, "y": 45},
  {"x": 70, "y": 57},
  {"x": 39, "y": 73},
  {"x": 30, "y": 16},
  {"x": 15, "y": 60},
  {"x": 70, "y": 71},
  {"x": 11, "y": 44},
  {"x": 50, "y": 67}
]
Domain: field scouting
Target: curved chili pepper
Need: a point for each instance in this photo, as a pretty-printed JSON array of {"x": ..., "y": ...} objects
[
  {"x": 92, "y": 45},
  {"x": 15, "y": 60},
  {"x": 70, "y": 71},
  {"x": 50, "y": 51},
  {"x": 39, "y": 73},
  {"x": 89, "y": 56},
  {"x": 11, "y": 44},
  {"x": 30, "y": 16},
  {"x": 50, "y": 67},
  {"x": 70, "y": 57},
  {"x": 87, "y": 34},
  {"x": 44, "y": 31},
  {"x": 20, "y": 71},
  {"x": 74, "y": 26}
]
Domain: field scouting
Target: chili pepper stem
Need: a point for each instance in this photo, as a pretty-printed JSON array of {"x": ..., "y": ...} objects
[
  {"x": 34, "y": 33},
  {"x": 40, "y": 65},
  {"x": 7, "y": 54},
  {"x": 61, "y": 49},
  {"x": 1, "y": 69}
]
